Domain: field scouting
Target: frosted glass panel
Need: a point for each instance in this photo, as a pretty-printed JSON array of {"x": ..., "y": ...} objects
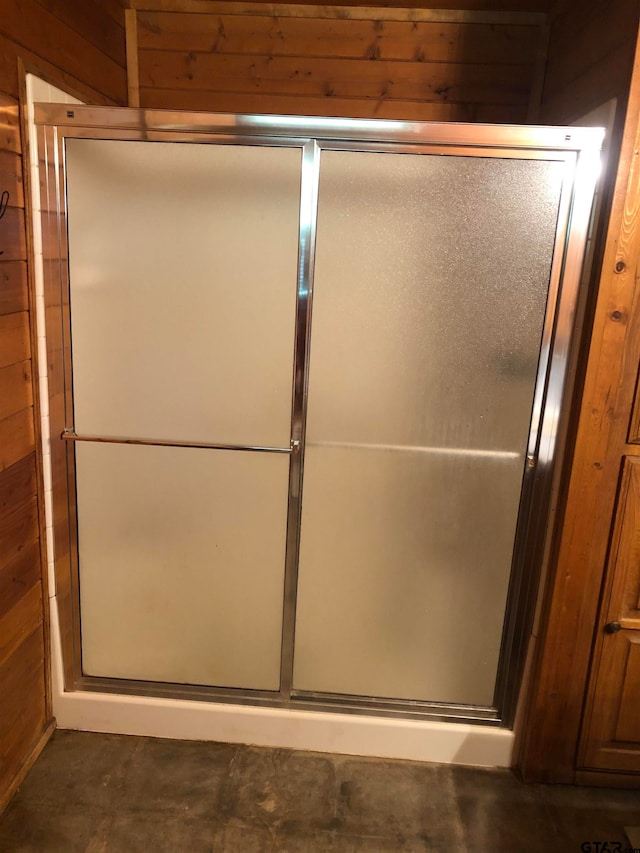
[
  {"x": 402, "y": 588},
  {"x": 429, "y": 298},
  {"x": 181, "y": 556},
  {"x": 183, "y": 266},
  {"x": 430, "y": 289}
]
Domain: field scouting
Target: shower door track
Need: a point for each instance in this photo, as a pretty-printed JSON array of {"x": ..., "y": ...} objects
[{"x": 577, "y": 148}]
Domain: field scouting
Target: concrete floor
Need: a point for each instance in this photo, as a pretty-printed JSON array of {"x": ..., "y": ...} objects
[{"x": 91, "y": 792}]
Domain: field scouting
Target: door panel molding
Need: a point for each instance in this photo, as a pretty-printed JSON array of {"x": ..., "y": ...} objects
[{"x": 611, "y": 738}]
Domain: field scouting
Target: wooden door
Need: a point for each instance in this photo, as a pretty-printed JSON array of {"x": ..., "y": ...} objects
[{"x": 611, "y": 736}]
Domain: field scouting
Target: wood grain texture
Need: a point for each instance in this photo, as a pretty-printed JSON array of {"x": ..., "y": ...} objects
[
  {"x": 30, "y": 217},
  {"x": 339, "y": 78},
  {"x": 561, "y": 663},
  {"x": 496, "y": 11},
  {"x": 11, "y": 177},
  {"x": 17, "y": 437},
  {"x": 240, "y": 60},
  {"x": 598, "y": 32},
  {"x": 13, "y": 238},
  {"x": 14, "y": 294},
  {"x": 590, "y": 56},
  {"x": 634, "y": 426},
  {"x": 115, "y": 9},
  {"x": 17, "y": 623},
  {"x": 611, "y": 739},
  {"x": 30, "y": 25},
  {"x": 133, "y": 77},
  {"x": 21, "y": 722},
  {"x": 17, "y": 485},
  {"x": 602, "y": 779},
  {"x": 15, "y": 389},
  {"x": 605, "y": 78},
  {"x": 78, "y": 46},
  {"x": 18, "y": 771},
  {"x": 336, "y": 38},
  {"x": 228, "y": 102},
  {"x": 9, "y": 119},
  {"x": 15, "y": 338},
  {"x": 18, "y": 577},
  {"x": 19, "y": 529},
  {"x": 99, "y": 23},
  {"x": 628, "y": 723}
]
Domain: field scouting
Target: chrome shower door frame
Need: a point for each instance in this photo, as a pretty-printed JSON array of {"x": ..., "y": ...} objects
[{"x": 577, "y": 148}]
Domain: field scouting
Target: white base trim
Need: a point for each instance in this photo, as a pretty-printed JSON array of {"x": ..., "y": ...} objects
[{"x": 318, "y": 731}]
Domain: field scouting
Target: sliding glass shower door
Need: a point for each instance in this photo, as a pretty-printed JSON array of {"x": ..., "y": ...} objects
[
  {"x": 183, "y": 271},
  {"x": 314, "y": 370},
  {"x": 430, "y": 288}
]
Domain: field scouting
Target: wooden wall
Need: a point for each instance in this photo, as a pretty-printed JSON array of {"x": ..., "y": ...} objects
[
  {"x": 590, "y": 56},
  {"x": 591, "y": 59},
  {"x": 80, "y": 47},
  {"x": 339, "y": 61}
]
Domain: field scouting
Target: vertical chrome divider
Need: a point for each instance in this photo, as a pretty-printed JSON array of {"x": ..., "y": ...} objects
[
  {"x": 306, "y": 253},
  {"x": 69, "y": 453}
]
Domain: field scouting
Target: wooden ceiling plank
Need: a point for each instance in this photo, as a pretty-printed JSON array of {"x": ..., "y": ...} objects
[{"x": 361, "y": 13}]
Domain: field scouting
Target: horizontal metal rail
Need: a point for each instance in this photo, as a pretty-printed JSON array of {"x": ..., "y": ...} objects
[
  {"x": 68, "y": 435},
  {"x": 410, "y": 448}
]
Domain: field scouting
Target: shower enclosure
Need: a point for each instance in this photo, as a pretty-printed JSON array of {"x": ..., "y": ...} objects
[{"x": 306, "y": 382}]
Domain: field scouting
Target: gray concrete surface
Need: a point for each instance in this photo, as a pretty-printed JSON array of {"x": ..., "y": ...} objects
[{"x": 92, "y": 792}]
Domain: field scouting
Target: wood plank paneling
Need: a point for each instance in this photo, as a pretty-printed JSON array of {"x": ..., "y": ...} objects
[
  {"x": 598, "y": 32},
  {"x": 18, "y": 530},
  {"x": 21, "y": 722},
  {"x": 337, "y": 77},
  {"x": 599, "y": 82},
  {"x": 9, "y": 117},
  {"x": 18, "y": 577},
  {"x": 340, "y": 39},
  {"x": 17, "y": 438},
  {"x": 13, "y": 239},
  {"x": 78, "y": 46},
  {"x": 17, "y": 485},
  {"x": 324, "y": 106},
  {"x": 11, "y": 177},
  {"x": 521, "y": 7},
  {"x": 26, "y": 760},
  {"x": 30, "y": 26},
  {"x": 115, "y": 9},
  {"x": 10, "y": 55},
  {"x": 95, "y": 22},
  {"x": 15, "y": 389},
  {"x": 22, "y": 675},
  {"x": 15, "y": 338},
  {"x": 590, "y": 56},
  {"x": 14, "y": 295},
  {"x": 17, "y": 623},
  {"x": 327, "y": 65}
]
